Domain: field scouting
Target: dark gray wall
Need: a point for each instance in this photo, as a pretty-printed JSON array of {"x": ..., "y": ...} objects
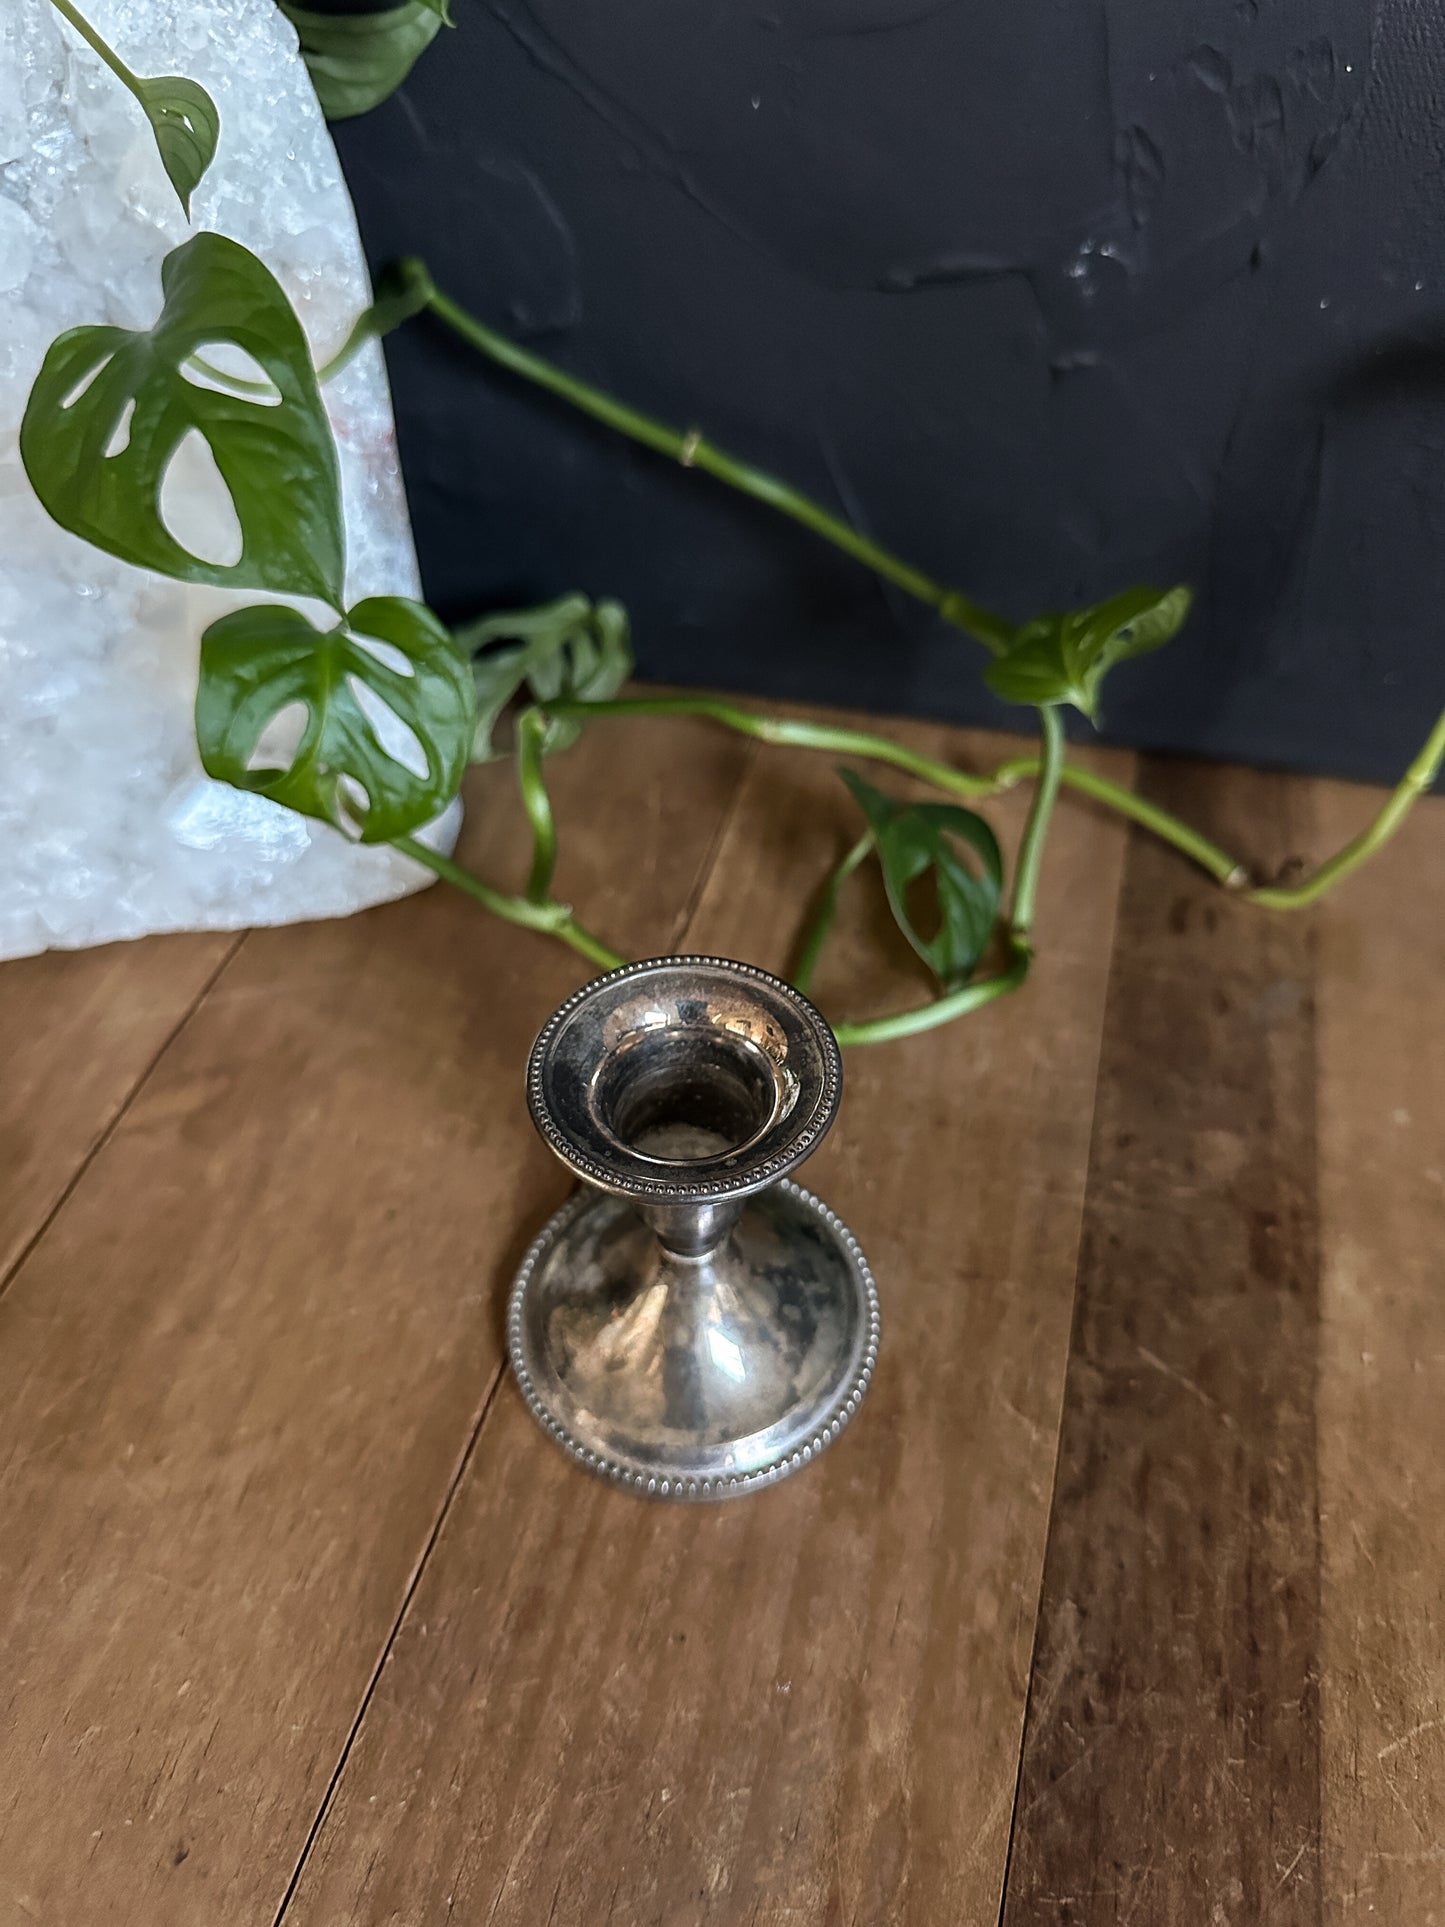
[{"x": 1047, "y": 294}]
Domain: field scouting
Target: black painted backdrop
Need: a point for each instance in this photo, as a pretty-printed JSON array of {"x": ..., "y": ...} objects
[{"x": 1050, "y": 295}]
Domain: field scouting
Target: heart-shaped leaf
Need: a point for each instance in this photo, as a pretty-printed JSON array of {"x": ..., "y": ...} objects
[
  {"x": 959, "y": 851},
  {"x": 388, "y": 713},
  {"x": 572, "y": 650},
  {"x": 1064, "y": 658},
  {"x": 356, "y": 60},
  {"x": 111, "y": 407},
  {"x": 186, "y": 125},
  {"x": 182, "y": 114}
]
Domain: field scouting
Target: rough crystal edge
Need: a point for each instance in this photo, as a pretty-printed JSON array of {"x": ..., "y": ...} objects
[
  {"x": 649, "y": 1485},
  {"x": 751, "y": 1177}
]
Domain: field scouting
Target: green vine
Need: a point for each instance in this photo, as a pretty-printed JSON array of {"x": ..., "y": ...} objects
[
  {"x": 816, "y": 935},
  {"x": 940, "y": 776},
  {"x": 692, "y": 450},
  {"x": 996, "y": 635},
  {"x": 531, "y": 744},
  {"x": 551, "y": 919},
  {"x": 1019, "y": 935},
  {"x": 549, "y": 671},
  {"x": 1417, "y": 781}
]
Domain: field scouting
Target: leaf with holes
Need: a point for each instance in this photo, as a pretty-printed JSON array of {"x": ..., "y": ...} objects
[
  {"x": 590, "y": 663},
  {"x": 186, "y": 125},
  {"x": 571, "y": 650},
  {"x": 958, "y": 850},
  {"x": 1064, "y": 658},
  {"x": 388, "y": 713},
  {"x": 356, "y": 60},
  {"x": 110, "y": 408}
]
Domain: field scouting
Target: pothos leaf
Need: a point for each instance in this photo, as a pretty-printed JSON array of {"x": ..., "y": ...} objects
[
  {"x": 570, "y": 650},
  {"x": 959, "y": 850},
  {"x": 110, "y": 407},
  {"x": 186, "y": 125},
  {"x": 442, "y": 7},
  {"x": 1064, "y": 658},
  {"x": 387, "y": 729},
  {"x": 356, "y": 60}
]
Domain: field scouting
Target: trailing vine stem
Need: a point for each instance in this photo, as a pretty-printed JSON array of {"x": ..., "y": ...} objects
[
  {"x": 811, "y": 947},
  {"x": 531, "y": 734},
  {"x": 958, "y": 1003},
  {"x": 790, "y": 731},
  {"x": 537, "y": 911},
  {"x": 692, "y": 450},
  {"x": 1049, "y": 770},
  {"x": 1019, "y": 937},
  {"x": 1417, "y": 780},
  {"x": 93, "y": 40},
  {"x": 690, "y": 447},
  {"x": 1218, "y": 863},
  {"x": 942, "y": 776},
  {"x": 1053, "y": 660},
  {"x": 551, "y": 918},
  {"x": 1031, "y": 846}
]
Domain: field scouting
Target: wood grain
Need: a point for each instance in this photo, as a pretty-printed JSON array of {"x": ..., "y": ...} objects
[
  {"x": 804, "y": 1706},
  {"x": 78, "y": 1032},
  {"x": 1382, "y": 1364},
  {"x": 239, "y": 1372},
  {"x": 268, "y": 1552},
  {"x": 1171, "y": 1758}
]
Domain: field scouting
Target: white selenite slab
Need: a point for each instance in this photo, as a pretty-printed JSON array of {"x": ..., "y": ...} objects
[{"x": 108, "y": 826}]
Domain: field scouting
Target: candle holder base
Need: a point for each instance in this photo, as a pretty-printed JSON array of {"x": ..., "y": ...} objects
[{"x": 694, "y": 1377}]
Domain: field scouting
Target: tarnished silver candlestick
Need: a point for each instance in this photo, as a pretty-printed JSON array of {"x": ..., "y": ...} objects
[{"x": 694, "y": 1325}]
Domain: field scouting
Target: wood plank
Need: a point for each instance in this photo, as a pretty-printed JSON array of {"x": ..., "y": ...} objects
[
  {"x": 79, "y": 1030},
  {"x": 804, "y": 1705},
  {"x": 238, "y": 1374},
  {"x": 1171, "y": 1758},
  {"x": 1381, "y": 1414}
]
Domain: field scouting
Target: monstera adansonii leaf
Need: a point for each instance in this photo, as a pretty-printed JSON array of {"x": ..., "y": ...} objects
[
  {"x": 571, "y": 650},
  {"x": 1065, "y": 658},
  {"x": 111, "y": 407},
  {"x": 388, "y": 713},
  {"x": 958, "y": 850}
]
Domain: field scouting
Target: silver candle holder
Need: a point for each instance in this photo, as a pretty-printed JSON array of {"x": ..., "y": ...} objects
[{"x": 693, "y": 1324}]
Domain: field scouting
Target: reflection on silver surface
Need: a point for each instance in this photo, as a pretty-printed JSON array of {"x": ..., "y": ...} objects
[{"x": 703, "y": 1326}]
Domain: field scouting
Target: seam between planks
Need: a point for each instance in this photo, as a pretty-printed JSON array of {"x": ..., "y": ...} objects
[
  {"x": 1028, "y": 1706},
  {"x": 1316, "y": 953},
  {"x": 328, "y": 1799},
  {"x": 108, "y": 1131},
  {"x": 682, "y": 923},
  {"x": 679, "y": 929},
  {"x": 1027, "y": 1716},
  {"x": 1042, "y": 1692}
]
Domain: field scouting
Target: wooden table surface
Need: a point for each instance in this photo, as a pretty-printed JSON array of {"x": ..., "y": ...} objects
[{"x": 1121, "y": 1601}]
